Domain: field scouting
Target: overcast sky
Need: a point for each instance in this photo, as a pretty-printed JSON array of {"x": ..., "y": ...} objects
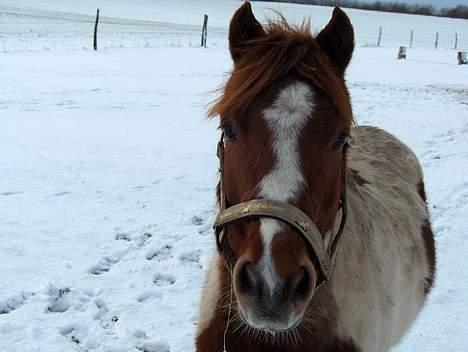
[{"x": 435, "y": 3}]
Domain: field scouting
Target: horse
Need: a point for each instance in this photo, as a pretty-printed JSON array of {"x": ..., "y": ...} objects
[{"x": 324, "y": 240}]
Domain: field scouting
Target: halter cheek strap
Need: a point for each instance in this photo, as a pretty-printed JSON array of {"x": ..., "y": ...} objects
[{"x": 323, "y": 256}]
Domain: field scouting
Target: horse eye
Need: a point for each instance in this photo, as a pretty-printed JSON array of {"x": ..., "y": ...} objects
[
  {"x": 340, "y": 141},
  {"x": 229, "y": 133}
]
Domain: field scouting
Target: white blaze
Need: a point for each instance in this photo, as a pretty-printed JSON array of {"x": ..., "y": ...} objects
[{"x": 285, "y": 118}]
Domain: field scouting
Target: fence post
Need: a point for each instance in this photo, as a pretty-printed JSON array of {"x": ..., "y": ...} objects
[
  {"x": 204, "y": 31},
  {"x": 380, "y": 36},
  {"x": 402, "y": 53},
  {"x": 95, "y": 30},
  {"x": 456, "y": 40},
  {"x": 462, "y": 57},
  {"x": 436, "y": 41},
  {"x": 411, "y": 39}
]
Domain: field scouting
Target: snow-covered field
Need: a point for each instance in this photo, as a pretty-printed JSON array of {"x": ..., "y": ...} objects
[{"x": 108, "y": 170}]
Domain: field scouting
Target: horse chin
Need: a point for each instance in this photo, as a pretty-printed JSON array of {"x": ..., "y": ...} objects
[{"x": 272, "y": 327}]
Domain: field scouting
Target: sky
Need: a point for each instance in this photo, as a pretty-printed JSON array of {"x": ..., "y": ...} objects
[{"x": 435, "y": 3}]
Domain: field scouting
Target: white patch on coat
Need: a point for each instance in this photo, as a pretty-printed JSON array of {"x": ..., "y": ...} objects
[
  {"x": 210, "y": 295},
  {"x": 286, "y": 119},
  {"x": 382, "y": 264}
]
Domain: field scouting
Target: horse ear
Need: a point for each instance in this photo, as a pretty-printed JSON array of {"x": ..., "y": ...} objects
[
  {"x": 337, "y": 40},
  {"x": 243, "y": 29}
]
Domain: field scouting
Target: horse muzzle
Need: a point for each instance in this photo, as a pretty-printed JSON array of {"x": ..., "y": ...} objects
[{"x": 267, "y": 302}]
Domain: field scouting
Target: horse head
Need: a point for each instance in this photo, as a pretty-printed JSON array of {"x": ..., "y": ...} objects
[{"x": 285, "y": 114}]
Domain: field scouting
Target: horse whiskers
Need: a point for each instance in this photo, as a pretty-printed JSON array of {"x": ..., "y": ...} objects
[
  {"x": 315, "y": 319},
  {"x": 224, "y": 306},
  {"x": 296, "y": 331},
  {"x": 229, "y": 311},
  {"x": 307, "y": 329},
  {"x": 235, "y": 324},
  {"x": 239, "y": 325},
  {"x": 230, "y": 300},
  {"x": 311, "y": 325}
]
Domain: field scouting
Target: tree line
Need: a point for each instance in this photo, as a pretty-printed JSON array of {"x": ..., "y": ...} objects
[{"x": 460, "y": 11}]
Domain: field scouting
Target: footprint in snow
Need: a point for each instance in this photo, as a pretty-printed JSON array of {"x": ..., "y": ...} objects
[
  {"x": 205, "y": 230},
  {"x": 103, "y": 316},
  {"x": 58, "y": 299},
  {"x": 140, "y": 239},
  {"x": 14, "y": 302},
  {"x": 123, "y": 236},
  {"x": 163, "y": 280},
  {"x": 429, "y": 156},
  {"x": 106, "y": 263},
  {"x": 197, "y": 220},
  {"x": 202, "y": 221},
  {"x": 75, "y": 333},
  {"x": 154, "y": 346},
  {"x": 160, "y": 254},
  {"x": 447, "y": 136},
  {"x": 192, "y": 257},
  {"x": 148, "y": 296}
]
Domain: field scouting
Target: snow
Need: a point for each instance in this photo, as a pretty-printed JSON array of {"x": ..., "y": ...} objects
[{"x": 108, "y": 172}]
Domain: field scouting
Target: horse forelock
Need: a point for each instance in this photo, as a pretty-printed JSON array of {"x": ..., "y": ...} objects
[{"x": 285, "y": 50}]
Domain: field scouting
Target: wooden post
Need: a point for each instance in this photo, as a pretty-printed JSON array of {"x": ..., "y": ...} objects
[
  {"x": 379, "y": 39},
  {"x": 95, "y": 30},
  {"x": 462, "y": 57},
  {"x": 204, "y": 31},
  {"x": 456, "y": 41},
  {"x": 436, "y": 41},
  {"x": 411, "y": 39},
  {"x": 402, "y": 53}
]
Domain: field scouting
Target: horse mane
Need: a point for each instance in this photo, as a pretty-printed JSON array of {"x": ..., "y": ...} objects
[{"x": 284, "y": 49}]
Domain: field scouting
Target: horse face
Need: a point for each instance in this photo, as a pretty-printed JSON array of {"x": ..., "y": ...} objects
[
  {"x": 285, "y": 145},
  {"x": 282, "y": 152}
]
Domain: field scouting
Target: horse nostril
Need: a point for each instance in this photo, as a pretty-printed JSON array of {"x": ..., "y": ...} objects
[
  {"x": 246, "y": 278},
  {"x": 301, "y": 286}
]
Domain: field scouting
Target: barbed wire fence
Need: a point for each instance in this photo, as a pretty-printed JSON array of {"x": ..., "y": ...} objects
[
  {"x": 48, "y": 30},
  {"x": 413, "y": 39},
  {"x": 22, "y": 31}
]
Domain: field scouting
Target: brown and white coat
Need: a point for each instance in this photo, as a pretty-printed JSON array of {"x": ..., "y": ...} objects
[{"x": 385, "y": 266}]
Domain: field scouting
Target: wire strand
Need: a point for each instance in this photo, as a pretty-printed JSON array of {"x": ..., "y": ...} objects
[{"x": 229, "y": 313}]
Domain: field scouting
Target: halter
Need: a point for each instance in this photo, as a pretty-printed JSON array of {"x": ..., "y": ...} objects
[{"x": 322, "y": 256}]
